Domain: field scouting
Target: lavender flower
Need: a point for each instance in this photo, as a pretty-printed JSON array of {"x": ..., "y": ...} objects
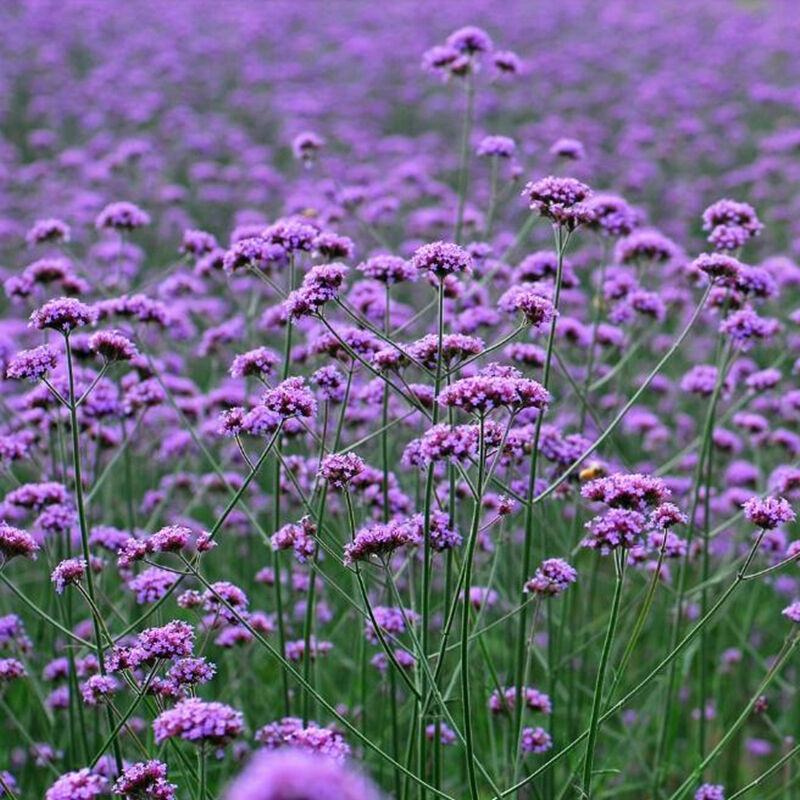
[
  {"x": 561, "y": 200},
  {"x": 16, "y": 542},
  {"x": 113, "y": 346},
  {"x": 145, "y": 779},
  {"x": 377, "y": 541},
  {"x": 290, "y": 398},
  {"x": 199, "y": 722},
  {"x": 81, "y": 785},
  {"x": 768, "y": 513},
  {"x": 552, "y": 577},
  {"x": 442, "y": 259},
  {"x": 32, "y": 365},
  {"x": 710, "y": 791},
  {"x": 63, "y": 315},
  {"x": 339, "y": 469},
  {"x": 122, "y": 217},
  {"x": 535, "y": 740},
  {"x": 69, "y": 571},
  {"x": 289, "y": 773}
]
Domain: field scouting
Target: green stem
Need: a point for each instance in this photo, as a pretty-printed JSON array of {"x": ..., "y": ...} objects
[
  {"x": 527, "y": 548},
  {"x": 594, "y": 724},
  {"x": 787, "y": 650},
  {"x": 84, "y": 531},
  {"x": 465, "y": 685},
  {"x": 463, "y": 170}
]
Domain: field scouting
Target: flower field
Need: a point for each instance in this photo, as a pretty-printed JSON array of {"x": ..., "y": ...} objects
[{"x": 399, "y": 400}]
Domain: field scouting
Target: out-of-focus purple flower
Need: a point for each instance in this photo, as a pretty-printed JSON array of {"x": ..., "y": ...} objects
[
  {"x": 81, "y": 785},
  {"x": 552, "y": 577},
  {"x": 122, "y": 216},
  {"x": 535, "y": 740},
  {"x": 289, "y": 773}
]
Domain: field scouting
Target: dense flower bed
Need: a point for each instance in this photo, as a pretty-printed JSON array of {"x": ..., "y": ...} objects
[{"x": 399, "y": 400}]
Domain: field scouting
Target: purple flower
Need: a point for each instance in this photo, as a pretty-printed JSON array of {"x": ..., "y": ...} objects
[
  {"x": 146, "y": 780},
  {"x": 568, "y": 149},
  {"x": 792, "y": 611},
  {"x": 745, "y": 326},
  {"x": 200, "y": 722},
  {"x": 16, "y": 542},
  {"x": 122, "y": 216},
  {"x": 253, "y": 251},
  {"x": 68, "y": 572},
  {"x": 535, "y": 740},
  {"x": 152, "y": 584},
  {"x": 710, "y": 791},
  {"x": 173, "y": 640},
  {"x": 483, "y": 393},
  {"x": 618, "y": 527},
  {"x": 290, "y": 773},
  {"x": 48, "y": 230},
  {"x": 441, "y": 259},
  {"x": 379, "y": 541},
  {"x": 11, "y": 669},
  {"x": 191, "y": 671},
  {"x": 470, "y": 40},
  {"x": 81, "y": 785},
  {"x": 290, "y": 399},
  {"x": 98, "y": 689},
  {"x": 645, "y": 246},
  {"x": 497, "y": 146},
  {"x": 306, "y": 145},
  {"x": 198, "y": 243},
  {"x": 536, "y": 310},
  {"x": 113, "y": 346},
  {"x": 388, "y": 269},
  {"x": 561, "y": 200},
  {"x": 718, "y": 266},
  {"x": 63, "y": 315},
  {"x": 299, "y": 538},
  {"x": 531, "y": 697},
  {"x": 627, "y": 490},
  {"x": 331, "y": 245},
  {"x": 552, "y": 577},
  {"x": 320, "y": 285},
  {"x": 612, "y": 216},
  {"x": 769, "y": 512},
  {"x": 339, "y": 469}
]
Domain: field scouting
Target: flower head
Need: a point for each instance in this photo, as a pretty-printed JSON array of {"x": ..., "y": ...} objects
[
  {"x": 16, "y": 542},
  {"x": 81, "y": 785},
  {"x": 769, "y": 512},
  {"x": 31, "y": 365},
  {"x": 122, "y": 217},
  {"x": 291, "y": 773},
  {"x": 63, "y": 315},
  {"x": 552, "y": 577},
  {"x": 441, "y": 259},
  {"x": 200, "y": 722},
  {"x": 561, "y": 200},
  {"x": 69, "y": 571}
]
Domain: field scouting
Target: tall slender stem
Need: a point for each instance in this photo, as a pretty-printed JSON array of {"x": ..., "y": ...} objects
[
  {"x": 527, "y": 548},
  {"x": 463, "y": 170},
  {"x": 594, "y": 723},
  {"x": 84, "y": 531},
  {"x": 469, "y": 555}
]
